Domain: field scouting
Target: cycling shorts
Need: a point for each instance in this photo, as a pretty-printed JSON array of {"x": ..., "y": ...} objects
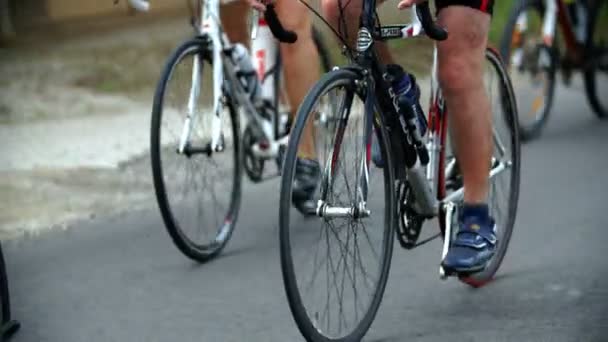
[{"x": 482, "y": 5}]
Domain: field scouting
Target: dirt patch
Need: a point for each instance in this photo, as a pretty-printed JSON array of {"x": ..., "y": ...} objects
[{"x": 54, "y": 74}]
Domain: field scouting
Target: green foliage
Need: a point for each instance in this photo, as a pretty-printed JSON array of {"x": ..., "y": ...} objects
[{"x": 502, "y": 10}]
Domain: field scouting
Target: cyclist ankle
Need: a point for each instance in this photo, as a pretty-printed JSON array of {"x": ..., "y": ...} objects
[{"x": 479, "y": 210}]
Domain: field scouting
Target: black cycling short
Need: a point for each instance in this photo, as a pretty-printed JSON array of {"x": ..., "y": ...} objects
[{"x": 482, "y": 5}]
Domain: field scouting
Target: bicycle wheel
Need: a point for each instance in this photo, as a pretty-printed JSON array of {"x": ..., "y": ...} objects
[
  {"x": 596, "y": 76},
  {"x": 198, "y": 190},
  {"x": 334, "y": 300},
  {"x": 8, "y": 326},
  {"x": 532, "y": 66},
  {"x": 505, "y": 167}
]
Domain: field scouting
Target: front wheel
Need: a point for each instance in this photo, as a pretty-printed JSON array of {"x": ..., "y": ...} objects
[
  {"x": 197, "y": 184},
  {"x": 504, "y": 175},
  {"x": 335, "y": 265},
  {"x": 596, "y": 75}
]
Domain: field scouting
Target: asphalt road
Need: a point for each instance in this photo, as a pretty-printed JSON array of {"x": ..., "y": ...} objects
[{"x": 121, "y": 279}]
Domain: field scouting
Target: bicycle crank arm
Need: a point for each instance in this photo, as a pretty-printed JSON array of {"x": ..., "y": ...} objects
[
  {"x": 326, "y": 211},
  {"x": 270, "y": 150},
  {"x": 447, "y": 239}
]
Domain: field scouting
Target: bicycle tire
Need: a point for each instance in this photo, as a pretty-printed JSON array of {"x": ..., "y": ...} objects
[
  {"x": 303, "y": 321},
  {"x": 533, "y": 130},
  {"x": 509, "y": 107},
  {"x": 8, "y": 326},
  {"x": 198, "y": 252},
  {"x": 591, "y": 91}
]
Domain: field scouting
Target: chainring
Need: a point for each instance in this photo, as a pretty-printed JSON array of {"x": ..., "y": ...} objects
[{"x": 409, "y": 222}]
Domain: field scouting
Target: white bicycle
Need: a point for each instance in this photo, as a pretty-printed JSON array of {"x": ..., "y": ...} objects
[{"x": 197, "y": 151}]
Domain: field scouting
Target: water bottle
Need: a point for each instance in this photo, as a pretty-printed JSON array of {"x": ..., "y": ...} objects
[
  {"x": 406, "y": 100},
  {"x": 406, "y": 96},
  {"x": 246, "y": 72}
]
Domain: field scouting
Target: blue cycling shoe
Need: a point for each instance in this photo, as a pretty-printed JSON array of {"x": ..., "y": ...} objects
[{"x": 474, "y": 244}]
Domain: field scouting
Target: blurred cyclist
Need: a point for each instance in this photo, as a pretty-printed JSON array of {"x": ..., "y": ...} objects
[
  {"x": 460, "y": 72},
  {"x": 300, "y": 75}
]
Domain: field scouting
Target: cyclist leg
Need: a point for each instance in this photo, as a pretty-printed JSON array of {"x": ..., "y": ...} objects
[
  {"x": 233, "y": 15},
  {"x": 300, "y": 76},
  {"x": 300, "y": 73},
  {"x": 460, "y": 71}
]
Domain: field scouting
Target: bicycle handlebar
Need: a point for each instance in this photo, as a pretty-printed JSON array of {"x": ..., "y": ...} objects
[
  {"x": 430, "y": 27},
  {"x": 277, "y": 29}
]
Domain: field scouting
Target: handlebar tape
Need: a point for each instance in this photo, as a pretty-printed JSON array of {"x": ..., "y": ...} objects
[
  {"x": 431, "y": 29},
  {"x": 277, "y": 29}
]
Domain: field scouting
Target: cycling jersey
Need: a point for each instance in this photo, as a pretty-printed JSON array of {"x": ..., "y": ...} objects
[{"x": 482, "y": 5}]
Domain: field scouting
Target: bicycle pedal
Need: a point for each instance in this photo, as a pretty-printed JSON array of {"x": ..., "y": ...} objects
[
  {"x": 450, "y": 210},
  {"x": 442, "y": 274}
]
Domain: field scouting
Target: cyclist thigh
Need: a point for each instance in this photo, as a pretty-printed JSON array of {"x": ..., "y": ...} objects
[
  {"x": 295, "y": 17},
  {"x": 461, "y": 56},
  {"x": 233, "y": 16}
]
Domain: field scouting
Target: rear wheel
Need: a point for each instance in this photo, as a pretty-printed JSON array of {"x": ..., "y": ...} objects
[
  {"x": 504, "y": 170},
  {"x": 532, "y": 65},
  {"x": 335, "y": 267},
  {"x": 596, "y": 76},
  {"x": 198, "y": 189}
]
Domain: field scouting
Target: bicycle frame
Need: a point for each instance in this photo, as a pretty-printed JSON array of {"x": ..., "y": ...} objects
[
  {"x": 429, "y": 177},
  {"x": 209, "y": 27},
  {"x": 420, "y": 176}
]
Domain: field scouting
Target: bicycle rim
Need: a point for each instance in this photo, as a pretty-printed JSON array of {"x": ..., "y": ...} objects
[{"x": 531, "y": 65}]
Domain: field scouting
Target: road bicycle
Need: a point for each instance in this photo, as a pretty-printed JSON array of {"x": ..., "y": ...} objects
[
  {"x": 198, "y": 151},
  {"x": 335, "y": 266},
  {"x": 531, "y": 45},
  {"x": 8, "y": 326}
]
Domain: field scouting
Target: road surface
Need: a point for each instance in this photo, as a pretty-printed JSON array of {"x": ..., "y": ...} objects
[{"x": 121, "y": 279}]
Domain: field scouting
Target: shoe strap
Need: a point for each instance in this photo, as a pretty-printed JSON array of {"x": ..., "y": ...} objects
[{"x": 476, "y": 239}]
